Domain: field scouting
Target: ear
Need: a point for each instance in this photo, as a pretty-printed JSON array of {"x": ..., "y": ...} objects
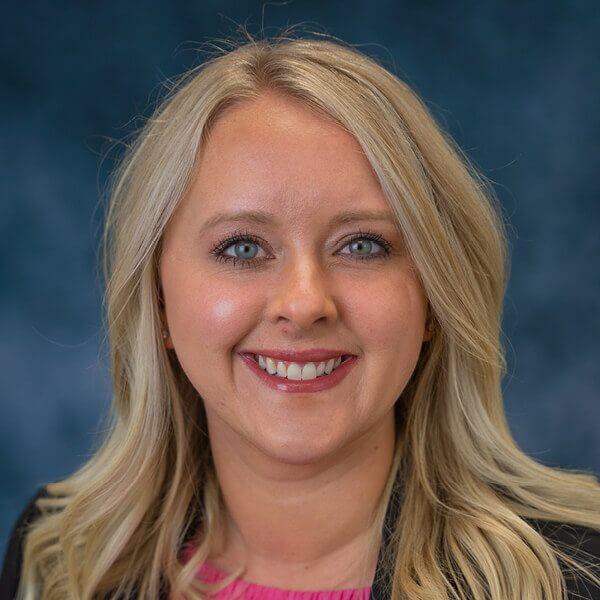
[
  {"x": 167, "y": 339},
  {"x": 166, "y": 336},
  {"x": 428, "y": 333},
  {"x": 429, "y": 325}
]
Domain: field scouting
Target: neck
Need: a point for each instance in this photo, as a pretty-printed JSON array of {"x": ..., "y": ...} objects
[{"x": 303, "y": 526}]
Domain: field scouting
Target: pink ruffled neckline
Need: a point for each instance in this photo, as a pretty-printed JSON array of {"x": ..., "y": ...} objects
[{"x": 245, "y": 590}]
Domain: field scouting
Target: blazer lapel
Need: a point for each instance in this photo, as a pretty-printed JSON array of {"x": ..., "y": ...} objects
[{"x": 382, "y": 582}]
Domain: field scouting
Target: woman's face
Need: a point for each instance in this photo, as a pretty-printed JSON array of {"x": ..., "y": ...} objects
[{"x": 299, "y": 282}]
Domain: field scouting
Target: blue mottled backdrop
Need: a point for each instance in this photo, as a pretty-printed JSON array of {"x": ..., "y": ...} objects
[{"x": 517, "y": 84}]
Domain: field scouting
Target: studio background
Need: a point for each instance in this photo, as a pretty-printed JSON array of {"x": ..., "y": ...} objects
[{"x": 517, "y": 85}]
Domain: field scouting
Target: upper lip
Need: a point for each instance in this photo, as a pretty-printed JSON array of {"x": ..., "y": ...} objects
[{"x": 315, "y": 354}]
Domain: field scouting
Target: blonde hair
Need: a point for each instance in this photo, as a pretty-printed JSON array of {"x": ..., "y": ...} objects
[{"x": 116, "y": 525}]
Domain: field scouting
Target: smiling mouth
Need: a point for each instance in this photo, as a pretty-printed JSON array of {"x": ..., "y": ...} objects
[
  {"x": 299, "y": 371},
  {"x": 308, "y": 379}
]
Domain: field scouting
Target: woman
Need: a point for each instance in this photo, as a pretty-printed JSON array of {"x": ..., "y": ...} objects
[{"x": 305, "y": 280}]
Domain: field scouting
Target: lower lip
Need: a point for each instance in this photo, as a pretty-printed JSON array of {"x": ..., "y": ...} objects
[{"x": 310, "y": 385}]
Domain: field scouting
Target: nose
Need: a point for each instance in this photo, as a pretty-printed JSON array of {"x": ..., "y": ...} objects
[{"x": 302, "y": 297}]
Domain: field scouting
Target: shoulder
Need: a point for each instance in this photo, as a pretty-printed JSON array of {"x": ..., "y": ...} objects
[
  {"x": 586, "y": 538},
  {"x": 13, "y": 558},
  {"x": 11, "y": 569},
  {"x": 580, "y": 543}
]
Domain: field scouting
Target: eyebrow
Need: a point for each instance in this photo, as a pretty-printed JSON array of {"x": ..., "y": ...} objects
[{"x": 266, "y": 218}]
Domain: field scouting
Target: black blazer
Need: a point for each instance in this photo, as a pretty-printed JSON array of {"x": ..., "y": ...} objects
[{"x": 583, "y": 538}]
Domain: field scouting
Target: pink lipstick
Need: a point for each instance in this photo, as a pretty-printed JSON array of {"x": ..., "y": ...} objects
[{"x": 281, "y": 384}]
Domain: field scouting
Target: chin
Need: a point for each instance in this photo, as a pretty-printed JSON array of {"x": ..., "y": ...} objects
[{"x": 302, "y": 451}]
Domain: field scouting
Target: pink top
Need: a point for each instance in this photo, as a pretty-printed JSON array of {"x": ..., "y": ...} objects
[{"x": 244, "y": 590}]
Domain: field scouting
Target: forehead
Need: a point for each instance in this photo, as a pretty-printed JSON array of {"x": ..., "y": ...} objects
[{"x": 276, "y": 154}]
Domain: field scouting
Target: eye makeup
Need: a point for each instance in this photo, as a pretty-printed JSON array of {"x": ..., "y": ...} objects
[{"x": 245, "y": 236}]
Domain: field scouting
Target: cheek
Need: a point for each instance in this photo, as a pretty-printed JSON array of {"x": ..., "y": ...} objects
[
  {"x": 197, "y": 310},
  {"x": 389, "y": 314}
]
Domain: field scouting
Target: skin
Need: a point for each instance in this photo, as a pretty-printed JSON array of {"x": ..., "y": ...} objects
[{"x": 300, "y": 473}]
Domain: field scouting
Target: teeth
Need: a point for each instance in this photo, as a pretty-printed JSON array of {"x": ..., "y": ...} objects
[
  {"x": 280, "y": 369},
  {"x": 271, "y": 366},
  {"x": 295, "y": 371}
]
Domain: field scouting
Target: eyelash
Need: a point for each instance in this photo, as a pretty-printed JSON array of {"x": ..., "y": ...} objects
[{"x": 242, "y": 236}]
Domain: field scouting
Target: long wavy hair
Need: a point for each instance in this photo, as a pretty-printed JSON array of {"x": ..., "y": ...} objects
[{"x": 117, "y": 525}]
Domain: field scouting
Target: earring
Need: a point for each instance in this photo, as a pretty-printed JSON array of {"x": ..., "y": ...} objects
[{"x": 165, "y": 334}]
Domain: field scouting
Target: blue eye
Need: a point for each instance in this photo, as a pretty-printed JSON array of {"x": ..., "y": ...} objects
[
  {"x": 362, "y": 244},
  {"x": 244, "y": 244},
  {"x": 246, "y": 249}
]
